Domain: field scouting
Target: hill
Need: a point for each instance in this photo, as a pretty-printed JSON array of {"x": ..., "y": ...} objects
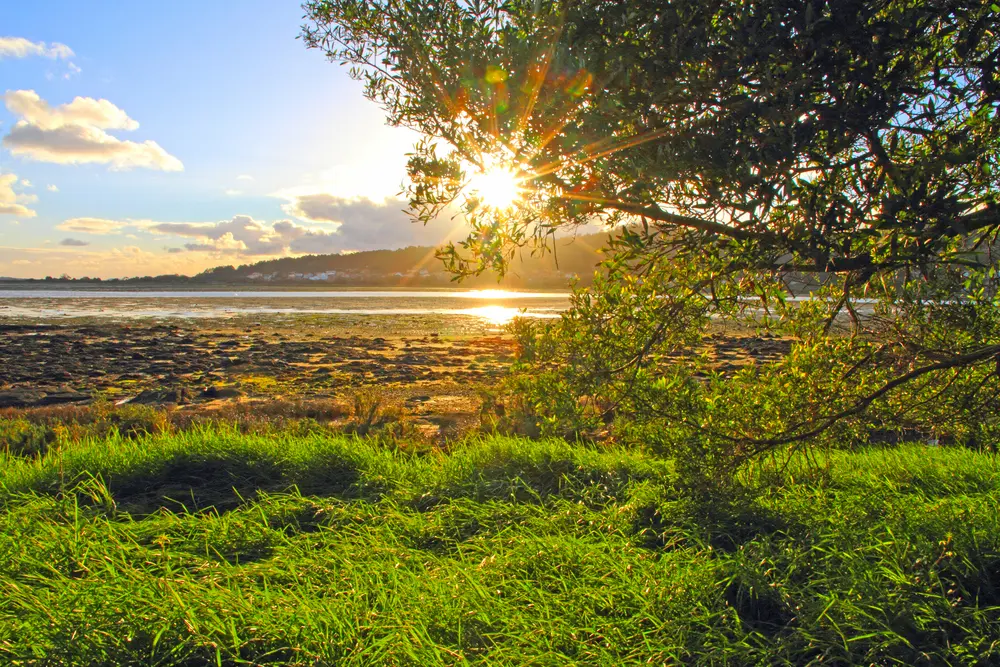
[
  {"x": 417, "y": 265},
  {"x": 414, "y": 266}
]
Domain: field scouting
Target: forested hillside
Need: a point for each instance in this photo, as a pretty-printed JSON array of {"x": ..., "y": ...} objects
[{"x": 573, "y": 256}]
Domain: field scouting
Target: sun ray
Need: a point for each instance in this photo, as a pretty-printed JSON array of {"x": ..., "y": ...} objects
[
  {"x": 432, "y": 253},
  {"x": 629, "y": 142},
  {"x": 450, "y": 105},
  {"x": 540, "y": 74}
]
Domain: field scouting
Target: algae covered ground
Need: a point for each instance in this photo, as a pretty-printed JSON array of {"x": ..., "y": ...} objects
[{"x": 215, "y": 547}]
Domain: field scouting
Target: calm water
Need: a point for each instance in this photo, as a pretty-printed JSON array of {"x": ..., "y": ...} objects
[{"x": 492, "y": 306}]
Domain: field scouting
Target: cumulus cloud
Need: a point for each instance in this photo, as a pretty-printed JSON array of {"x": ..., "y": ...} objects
[
  {"x": 92, "y": 225},
  {"x": 74, "y": 243},
  {"x": 245, "y": 236},
  {"x": 101, "y": 114},
  {"x": 76, "y": 133},
  {"x": 225, "y": 243},
  {"x": 19, "y": 47},
  {"x": 364, "y": 224},
  {"x": 12, "y": 203},
  {"x": 52, "y": 188}
]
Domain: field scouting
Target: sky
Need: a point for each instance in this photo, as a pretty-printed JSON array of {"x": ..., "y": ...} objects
[{"x": 141, "y": 138}]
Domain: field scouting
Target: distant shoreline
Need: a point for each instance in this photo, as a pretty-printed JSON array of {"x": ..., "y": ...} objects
[{"x": 142, "y": 286}]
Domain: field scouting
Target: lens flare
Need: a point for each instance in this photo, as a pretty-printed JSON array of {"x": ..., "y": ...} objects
[{"x": 497, "y": 188}]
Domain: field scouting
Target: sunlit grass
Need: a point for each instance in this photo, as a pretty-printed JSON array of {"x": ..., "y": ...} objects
[{"x": 212, "y": 547}]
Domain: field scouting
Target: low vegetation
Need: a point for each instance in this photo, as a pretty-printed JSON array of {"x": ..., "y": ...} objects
[{"x": 211, "y": 546}]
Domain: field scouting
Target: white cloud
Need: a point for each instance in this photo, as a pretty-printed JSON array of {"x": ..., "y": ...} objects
[
  {"x": 363, "y": 224},
  {"x": 12, "y": 203},
  {"x": 52, "y": 188},
  {"x": 26, "y": 183},
  {"x": 233, "y": 193},
  {"x": 75, "y": 133},
  {"x": 19, "y": 47},
  {"x": 244, "y": 177},
  {"x": 92, "y": 225},
  {"x": 245, "y": 236},
  {"x": 100, "y": 114},
  {"x": 225, "y": 243}
]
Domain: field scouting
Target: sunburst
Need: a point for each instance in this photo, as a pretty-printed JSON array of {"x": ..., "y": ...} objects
[{"x": 498, "y": 188}]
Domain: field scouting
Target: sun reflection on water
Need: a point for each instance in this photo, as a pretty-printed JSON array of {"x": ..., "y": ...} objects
[{"x": 496, "y": 315}]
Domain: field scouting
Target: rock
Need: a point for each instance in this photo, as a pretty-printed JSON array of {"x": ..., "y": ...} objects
[
  {"x": 60, "y": 397},
  {"x": 19, "y": 398},
  {"x": 218, "y": 391},
  {"x": 154, "y": 396}
]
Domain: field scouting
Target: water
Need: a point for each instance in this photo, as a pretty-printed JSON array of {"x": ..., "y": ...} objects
[{"x": 495, "y": 307}]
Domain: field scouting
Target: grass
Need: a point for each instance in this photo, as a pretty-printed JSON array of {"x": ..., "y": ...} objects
[{"x": 215, "y": 547}]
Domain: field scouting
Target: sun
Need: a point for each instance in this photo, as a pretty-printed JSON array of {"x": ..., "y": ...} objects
[{"x": 497, "y": 188}]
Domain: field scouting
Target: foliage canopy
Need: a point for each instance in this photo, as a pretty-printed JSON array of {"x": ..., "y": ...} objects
[{"x": 753, "y": 151}]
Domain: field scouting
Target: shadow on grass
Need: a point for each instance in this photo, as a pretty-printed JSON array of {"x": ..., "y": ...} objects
[
  {"x": 222, "y": 484},
  {"x": 758, "y": 605},
  {"x": 722, "y": 524},
  {"x": 537, "y": 473},
  {"x": 197, "y": 474}
]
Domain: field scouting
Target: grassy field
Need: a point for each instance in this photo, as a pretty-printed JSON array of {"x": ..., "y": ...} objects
[{"x": 211, "y": 547}]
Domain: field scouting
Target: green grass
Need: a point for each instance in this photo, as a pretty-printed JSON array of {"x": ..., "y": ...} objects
[{"x": 211, "y": 547}]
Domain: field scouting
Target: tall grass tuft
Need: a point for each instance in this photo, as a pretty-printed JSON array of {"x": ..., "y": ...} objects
[{"x": 212, "y": 546}]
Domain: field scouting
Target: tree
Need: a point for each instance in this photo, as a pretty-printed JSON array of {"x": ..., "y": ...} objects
[{"x": 752, "y": 149}]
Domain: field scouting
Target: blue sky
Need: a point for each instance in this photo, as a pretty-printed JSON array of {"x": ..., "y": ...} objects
[{"x": 260, "y": 147}]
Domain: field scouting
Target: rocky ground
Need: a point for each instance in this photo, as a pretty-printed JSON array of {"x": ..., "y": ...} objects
[{"x": 196, "y": 364}]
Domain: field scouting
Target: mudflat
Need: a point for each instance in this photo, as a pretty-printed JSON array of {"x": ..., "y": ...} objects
[{"x": 196, "y": 365}]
